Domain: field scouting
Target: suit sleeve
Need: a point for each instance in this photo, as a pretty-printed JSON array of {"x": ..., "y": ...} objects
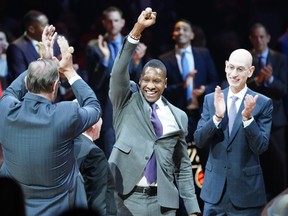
[
  {"x": 17, "y": 88},
  {"x": 16, "y": 62},
  {"x": 120, "y": 78}
]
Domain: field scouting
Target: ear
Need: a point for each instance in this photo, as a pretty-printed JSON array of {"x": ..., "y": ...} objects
[
  {"x": 192, "y": 36},
  {"x": 251, "y": 70},
  {"x": 55, "y": 86},
  {"x": 166, "y": 83},
  {"x": 25, "y": 81},
  {"x": 31, "y": 29}
]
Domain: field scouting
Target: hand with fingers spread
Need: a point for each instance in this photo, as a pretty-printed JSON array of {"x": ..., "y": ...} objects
[
  {"x": 219, "y": 102},
  {"x": 66, "y": 62},
  {"x": 46, "y": 45},
  {"x": 249, "y": 105}
]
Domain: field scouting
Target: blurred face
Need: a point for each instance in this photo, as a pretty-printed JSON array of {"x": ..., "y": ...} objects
[
  {"x": 36, "y": 29},
  {"x": 113, "y": 23},
  {"x": 3, "y": 42},
  {"x": 182, "y": 34},
  {"x": 152, "y": 84},
  {"x": 259, "y": 39}
]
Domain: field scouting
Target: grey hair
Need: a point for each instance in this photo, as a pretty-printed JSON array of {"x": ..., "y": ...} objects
[{"x": 42, "y": 75}]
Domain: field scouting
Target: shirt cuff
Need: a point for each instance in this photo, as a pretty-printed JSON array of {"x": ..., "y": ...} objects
[
  {"x": 131, "y": 40},
  {"x": 73, "y": 79},
  {"x": 216, "y": 122},
  {"x": 247, "y": 122}
]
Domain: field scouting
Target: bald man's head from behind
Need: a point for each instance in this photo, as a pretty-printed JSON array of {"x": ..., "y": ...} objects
[{"x": 94, "y": 130}]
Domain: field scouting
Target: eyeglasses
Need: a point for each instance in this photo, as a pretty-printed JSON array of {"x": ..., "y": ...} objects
[{"x": 231, "y": 68}]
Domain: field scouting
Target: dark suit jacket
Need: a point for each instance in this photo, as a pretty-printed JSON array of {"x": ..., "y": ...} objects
[
  {"x": 234, "y": 159},
  {"x": 206, "y": 75},
  {"x": 37, "y": 140},
  {"x": 277, "y": 89},
  {"x": 136, "y": 141},
  {"x": 98, "y": 180},
  {"x": 20, "y": 54}
]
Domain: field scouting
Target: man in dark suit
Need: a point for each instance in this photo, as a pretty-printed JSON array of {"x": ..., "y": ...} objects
[
  {"x": 138, "y": 143},
  {"x": 101, "y": 54},
  {"x": 25, "y": 49},
  {"x": 37, "y": 134},
  {"x": 94, "y": 167},
  {"x": 270, "y": 79},
  {"x": 236, "y": 133},
  {"x": 202, "y": 77}
]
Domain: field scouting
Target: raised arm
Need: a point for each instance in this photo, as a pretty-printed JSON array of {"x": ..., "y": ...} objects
[{"x": 120, "y": 79}]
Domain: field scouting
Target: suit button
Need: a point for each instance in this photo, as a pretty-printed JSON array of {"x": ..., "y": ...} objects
[{"x": 146, "y": 158}]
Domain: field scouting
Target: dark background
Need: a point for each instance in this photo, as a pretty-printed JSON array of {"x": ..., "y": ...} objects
[{"x": 225, "y": 23}]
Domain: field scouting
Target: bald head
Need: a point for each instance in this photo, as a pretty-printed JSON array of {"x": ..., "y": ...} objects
[{"x": 241, "y": 56}]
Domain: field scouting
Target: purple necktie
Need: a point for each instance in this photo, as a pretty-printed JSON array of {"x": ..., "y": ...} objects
[
  {"x": 150, "y": 171},
  {"x": 232, "y": 113}
]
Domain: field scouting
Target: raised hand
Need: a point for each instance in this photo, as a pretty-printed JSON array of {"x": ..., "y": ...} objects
[
  {"x": 219, "y": 102},
  {"x": 46, "y": 45},
  {"x": 249, "y": 105},
  {"x": 66, "y": 62},
  {"x": 103, "y": 47},
  {"x": 145, "y": 19}
]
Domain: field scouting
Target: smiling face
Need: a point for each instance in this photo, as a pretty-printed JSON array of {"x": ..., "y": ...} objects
[
  {"x": 238, "y": 69},
  {"x": 182, "y": 34},
  {"x": 152, "y": 83}
]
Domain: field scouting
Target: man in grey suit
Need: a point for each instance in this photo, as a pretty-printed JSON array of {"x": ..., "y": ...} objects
[
  {"x": 233, "y": 180},
  {"x": 37, "y": 135},
  {"x": 137, "y": 141}
]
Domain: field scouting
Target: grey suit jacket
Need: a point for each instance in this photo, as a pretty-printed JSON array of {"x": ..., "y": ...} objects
[
  {"x": 136, "y": 141},
  {"x": 234, "y": 159},
  {"x": 37, "y": 140}
]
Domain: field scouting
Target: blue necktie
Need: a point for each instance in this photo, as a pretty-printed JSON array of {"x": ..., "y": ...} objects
[
  {"x": 150, "y": 171},
  {"x": 115, "y": 49},
  {"x": 260, "y": 62},
  {"x": 185, "y": 72},
  {"x": 232, "y": 113}
]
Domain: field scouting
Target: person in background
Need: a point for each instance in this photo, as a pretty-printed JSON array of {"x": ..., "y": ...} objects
[
  {"x": 37, "y": 134},
  {"x": 94, "y": 167},
  {"x": 187, "y": 85},
  {"x": 235, "y": 125},
  {"x": 25, "y": 49},
  {"x": 3, "y": 61},
  {"x": 149, "y": 160},
  {"x": 270, "y": 79},
  {"x": 100, "y": 56}
]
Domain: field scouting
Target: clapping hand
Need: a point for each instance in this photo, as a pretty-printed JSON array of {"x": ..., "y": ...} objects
[
  {"x": 46, "y": 45},
  {"x": 66, "y": 62}
]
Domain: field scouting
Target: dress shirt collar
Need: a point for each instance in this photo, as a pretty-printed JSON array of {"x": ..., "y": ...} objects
[
  {"x": 86, "y": 135},
  {"x": 240, "y": 95},
  {"x": 264, "y": 54},
  {"x": 179, "y": 51},
  {"x": 160, "y": 104}
]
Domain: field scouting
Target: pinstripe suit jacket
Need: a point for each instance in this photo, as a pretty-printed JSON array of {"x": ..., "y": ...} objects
[
  {"x": 136, "y": 141},
  {"x": 234, "y": 159},
  {"x": 37, "y": 139}
]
